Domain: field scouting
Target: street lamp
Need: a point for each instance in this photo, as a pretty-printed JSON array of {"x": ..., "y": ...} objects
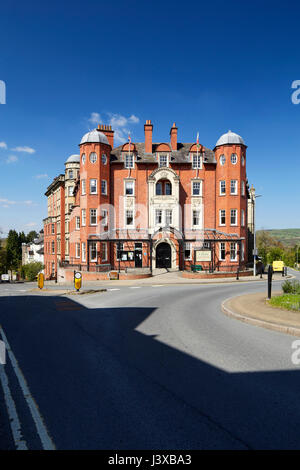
[{"x": 254, "y": 233}]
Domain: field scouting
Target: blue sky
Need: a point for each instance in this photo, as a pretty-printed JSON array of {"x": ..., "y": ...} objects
[{"x": 208, "y": 66}]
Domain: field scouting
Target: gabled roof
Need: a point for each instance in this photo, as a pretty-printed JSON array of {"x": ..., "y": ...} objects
[{"x": 179, "y": 156}]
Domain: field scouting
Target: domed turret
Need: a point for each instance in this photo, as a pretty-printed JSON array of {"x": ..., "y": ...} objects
[
  {"x": 230, "y": 138},
  {"x": 73, "y": 159},
  {"x": 94, "y": 136}
]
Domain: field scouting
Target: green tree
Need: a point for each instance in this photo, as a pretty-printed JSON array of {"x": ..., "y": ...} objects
[
  {"x": 13, "y": 250},
  {"x": 274, "y": 254},
  {"x": 3, "y": 261},
  {"x": 31, "y": 270},
  {"x": 31, "y": 236}
]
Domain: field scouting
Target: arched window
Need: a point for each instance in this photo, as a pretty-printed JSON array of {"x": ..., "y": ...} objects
[{"x": 163, "y": 188}]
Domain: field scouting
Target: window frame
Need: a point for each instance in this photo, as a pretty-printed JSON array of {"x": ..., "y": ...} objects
[
  {"x": 222, "y": 251},
  {"x": 163, "y": 156},
  {"x": 196, "y": 211},
  {"x": 235, "y": 192},
  {"x": 93, "y": 224},
  {"x": 221, "y": 216},
  {"x": 233, "y": 250},
  {"x": 126, "y": 183},
  {"x": 83, "y": 251},
  {"x": 83, "y": 217},
  {"x": 95, "y": 186},
  {"x": 93, "y": 154},
  {"x": 129, "y": 160},
  {"x": 105, "y": 183},
  {"x": 198, "y": 158},
  {"x": 127, "y": 211},
  {"x": 195, "y": 182},
  {"x": 220, "y": 188},
  {"x": 93, "y": 244},
  {"x": 235, "y": 157},
  {"x": 236, "y": 217}
]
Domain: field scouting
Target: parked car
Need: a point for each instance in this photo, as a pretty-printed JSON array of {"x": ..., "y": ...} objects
[{"x": 5, "y": 278}]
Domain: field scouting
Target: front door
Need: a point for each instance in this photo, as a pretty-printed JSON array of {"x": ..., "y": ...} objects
[
  {"x": 138, "y": 258},
  {"x": 163, "y": 255},
  {"x": 138, "y": 255}
]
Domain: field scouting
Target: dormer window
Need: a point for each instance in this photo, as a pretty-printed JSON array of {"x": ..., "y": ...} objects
[
  {"x": 129, "y": 160},
  {"x": 163, "y": 160},
  {"x": 196, "y": 159}
]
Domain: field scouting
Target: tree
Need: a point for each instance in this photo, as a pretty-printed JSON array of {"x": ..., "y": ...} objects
[
  {"x": 31, "y": 236},
  {"x": 3, "y": 261},
  {"x": 31, "y": 270},
  {"x": 275, "y": 254},
  {"x": 13, "y": 250}
]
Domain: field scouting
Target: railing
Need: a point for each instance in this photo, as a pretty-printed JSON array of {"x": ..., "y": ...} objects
[{"x": 98, "y": 268}]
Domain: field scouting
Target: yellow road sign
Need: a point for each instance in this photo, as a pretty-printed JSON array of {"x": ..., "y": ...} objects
[
  {"x": 77, "y": 280},
  {"x": 40, "y": 280}
]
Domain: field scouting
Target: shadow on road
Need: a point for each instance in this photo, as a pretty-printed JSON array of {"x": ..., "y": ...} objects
[{"x": 100, "y": 383}]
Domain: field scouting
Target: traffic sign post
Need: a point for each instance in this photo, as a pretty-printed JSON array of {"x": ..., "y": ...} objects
[
  {"x": 77, "y": 280},
  {"x": 270, "y": 274},
  {"x": 40, "y": 280}
]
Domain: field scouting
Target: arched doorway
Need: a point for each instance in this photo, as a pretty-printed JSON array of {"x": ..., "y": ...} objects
[{"x": 163, "y": 255}]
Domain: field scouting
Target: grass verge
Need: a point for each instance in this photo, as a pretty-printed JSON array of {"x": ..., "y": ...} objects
[{"x": 287, "y": 301}]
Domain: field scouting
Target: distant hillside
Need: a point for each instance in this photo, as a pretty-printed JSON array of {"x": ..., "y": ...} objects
[{"x": 287, "y": 236}]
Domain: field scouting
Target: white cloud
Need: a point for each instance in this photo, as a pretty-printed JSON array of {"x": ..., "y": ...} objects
[
  {"x": 95, "y": 118},
  {"x": 31, "y": 224},
  {"x": 43, "y": 175},
  {"x": 4, "y": 202},
  {"x": 134, "y": 119},
  {"x": 24, "y": 149},
  {"x": 119, "y": 123},
  {"x": 3, "y": 145},
  {"x": 12, "y": 159}
]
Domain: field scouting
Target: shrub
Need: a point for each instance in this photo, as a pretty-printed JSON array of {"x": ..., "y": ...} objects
[
  {"x": 291, "y": 287},
  {"x": 31, "y": 270}
]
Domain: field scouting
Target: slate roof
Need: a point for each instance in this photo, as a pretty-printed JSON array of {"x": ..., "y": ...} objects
[{"x": 179, "y": 156}]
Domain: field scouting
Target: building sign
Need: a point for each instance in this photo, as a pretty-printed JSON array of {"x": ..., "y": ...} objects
[{"x": 202, "y": 255}]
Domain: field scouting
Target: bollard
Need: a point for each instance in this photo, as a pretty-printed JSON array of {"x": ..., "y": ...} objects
[
  {"x": 237, "y": 274},
  {"x": 270, "y": 273}
]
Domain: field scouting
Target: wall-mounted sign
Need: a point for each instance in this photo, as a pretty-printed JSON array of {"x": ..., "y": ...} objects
[{"x": 202, "y": 255}]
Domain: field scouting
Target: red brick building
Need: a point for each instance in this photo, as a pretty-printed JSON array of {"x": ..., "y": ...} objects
[{"x": 149, "y": 205}]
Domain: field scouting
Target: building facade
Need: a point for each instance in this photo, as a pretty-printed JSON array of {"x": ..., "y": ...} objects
[
  {"x": 34, "y": 251},
  {"x": 141, "y": 206}
]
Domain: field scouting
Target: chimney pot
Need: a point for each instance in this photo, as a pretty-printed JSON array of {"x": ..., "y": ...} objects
[
  {"x": 173, "y": 134},
  {"x": 148, "y": 127}
]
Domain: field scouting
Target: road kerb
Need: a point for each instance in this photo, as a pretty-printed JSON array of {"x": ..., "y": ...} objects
[{"x": 294, "y": 331}]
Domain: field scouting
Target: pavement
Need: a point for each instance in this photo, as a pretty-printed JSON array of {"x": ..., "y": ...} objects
[
  {"x": 163, "y": 278},
  {"x": 254, "y": 309},
  {"x": 144, "y": 367}
]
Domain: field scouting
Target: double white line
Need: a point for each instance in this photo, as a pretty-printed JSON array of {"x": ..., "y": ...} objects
[{"x": 15, "y": 423}]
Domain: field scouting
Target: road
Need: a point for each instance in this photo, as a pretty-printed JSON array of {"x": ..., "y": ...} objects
[{"x": 156, "y": 367}]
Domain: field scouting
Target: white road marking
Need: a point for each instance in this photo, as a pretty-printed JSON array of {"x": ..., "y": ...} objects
[
  {"x": 46, "y": 440},
  {"x": 112, "y": 289},
  {"x": 14, "y": 421},
  {"x": 137, "y": 287},
  {"x": 158, "y": 285}
]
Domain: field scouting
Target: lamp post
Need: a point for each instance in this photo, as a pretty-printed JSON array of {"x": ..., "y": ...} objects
[{"x": 254, "y": 234}]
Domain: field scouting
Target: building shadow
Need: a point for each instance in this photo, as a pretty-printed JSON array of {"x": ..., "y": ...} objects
[{"x": 102, "y": 383}]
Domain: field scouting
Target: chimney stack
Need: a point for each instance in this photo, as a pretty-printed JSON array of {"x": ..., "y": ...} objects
[
  {"x": 107, "y": 130},
  {"x": 173, "y": 139},
  {"x": 148, "y": 127}
]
